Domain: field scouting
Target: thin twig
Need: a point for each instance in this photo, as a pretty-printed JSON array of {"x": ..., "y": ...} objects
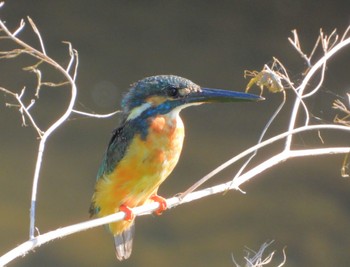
[
  {"x": 71, "y": 54},
  {"x": 345, "y": 35},
  {"x": 23, "y": 109},
  {"x": 99, "y": 116},
  {"x": 20, "y": 28},
  {"x": 267, "y": 126},
  {"x": 259, "y": 146},
  {"x": 35, "y": 29},
  {"x": 306, "y": 81}
]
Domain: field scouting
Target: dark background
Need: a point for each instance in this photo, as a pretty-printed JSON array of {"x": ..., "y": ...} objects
[{"x": 302, "y": 204}]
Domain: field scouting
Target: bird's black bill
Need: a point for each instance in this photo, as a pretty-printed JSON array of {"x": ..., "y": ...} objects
[{"x": 219, "y": 95}]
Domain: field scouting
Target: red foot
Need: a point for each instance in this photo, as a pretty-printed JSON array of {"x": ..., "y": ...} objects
[
  {"x": 129, "y": 215},
  {"x": 162, "y": 204}
]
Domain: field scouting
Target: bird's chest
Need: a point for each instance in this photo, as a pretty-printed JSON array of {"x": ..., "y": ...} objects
[
  {"x": 148, "y": 161},
  {"x": 159, "y": 152},
  {"x": 164, "y": 140}
]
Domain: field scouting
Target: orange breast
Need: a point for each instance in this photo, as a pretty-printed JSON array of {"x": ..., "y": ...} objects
[{"x": 146, "y": 164}]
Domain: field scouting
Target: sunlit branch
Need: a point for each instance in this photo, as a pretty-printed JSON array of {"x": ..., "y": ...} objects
[{"x": 275, "y": 78}]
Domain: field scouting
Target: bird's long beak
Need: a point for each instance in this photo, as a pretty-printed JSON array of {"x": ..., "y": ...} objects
[{"x": 208, "y": 95}]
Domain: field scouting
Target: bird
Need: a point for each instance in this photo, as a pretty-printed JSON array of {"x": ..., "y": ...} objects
[{"x": 145, "y": 148}]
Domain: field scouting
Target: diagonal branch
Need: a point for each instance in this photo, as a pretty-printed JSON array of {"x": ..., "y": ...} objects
[{"x": 171, "y": 202}]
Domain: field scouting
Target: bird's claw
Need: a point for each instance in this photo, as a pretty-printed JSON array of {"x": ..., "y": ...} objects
[
  {"x": 162, "y": 204},
  {"x": 129, "y": 215}
]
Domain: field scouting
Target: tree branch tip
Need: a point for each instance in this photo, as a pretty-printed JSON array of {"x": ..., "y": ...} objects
[
  {"x": 257, "y": 258},
  {"x": 240, "y": 190},
  {"x": 233, "y": 186},
  {"x": 32, "y": 24},
  {"x": 94, "y": 115},
  {"x": 9, "y": 105},
  {"x": 345, "y": 33},
  {"x": 70, "y": 46},
  {"x": 20, "y": 28}
]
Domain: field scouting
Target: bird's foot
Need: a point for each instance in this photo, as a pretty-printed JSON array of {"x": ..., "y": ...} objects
[
  {"x": 129, "y": 215},
  {"x": 162, "y": 204}
]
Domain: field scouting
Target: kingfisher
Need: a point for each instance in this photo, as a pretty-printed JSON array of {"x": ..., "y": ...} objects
[{"x": 145, "y": 148}]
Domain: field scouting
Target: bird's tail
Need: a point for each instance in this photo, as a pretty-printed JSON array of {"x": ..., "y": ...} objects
[{"x": 123, "y": 243}]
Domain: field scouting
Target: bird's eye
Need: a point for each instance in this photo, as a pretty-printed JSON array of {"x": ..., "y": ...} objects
[{"x": 172, "y": 91}]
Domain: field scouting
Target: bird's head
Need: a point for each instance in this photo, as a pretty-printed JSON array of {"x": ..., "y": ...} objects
[{"x": 165, "y": 93}]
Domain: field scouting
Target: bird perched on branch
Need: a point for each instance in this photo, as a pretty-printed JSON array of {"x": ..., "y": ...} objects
[{"x": 146, "y": 147}]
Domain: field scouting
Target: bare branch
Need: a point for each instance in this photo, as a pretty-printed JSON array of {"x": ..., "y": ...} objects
[
  {"x": 259, "y": 146},
  {"x": 71, "y": 54},
  {"x": 23, "y": 109},
  {"x": 273, "y": 77},
  {"x": 11, "y": 54},
  {"x": 296, "y": 43},
  {"x": 257, "y": 259},
  {"x": 339, "y": 105},
  {"x": 35, "y": 29},
  {"x": 44, "y": 135},
  {"x": 320, "y": 63},
  {"x": 99, "y": 116},
  {"x": 345, "y": 167},
  {"x": 345, "y": 35},
  {"x": 171, "y": 202},
  {"x": 20, "y": 28},
  {"x": 267, "y": 126}
]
